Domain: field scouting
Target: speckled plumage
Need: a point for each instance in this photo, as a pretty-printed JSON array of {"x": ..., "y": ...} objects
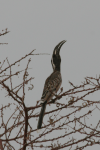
[{"x": 52, "y": 83}]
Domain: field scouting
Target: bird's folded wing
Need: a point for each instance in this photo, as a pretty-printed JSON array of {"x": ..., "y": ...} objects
[{"x": 52, "y": 85}]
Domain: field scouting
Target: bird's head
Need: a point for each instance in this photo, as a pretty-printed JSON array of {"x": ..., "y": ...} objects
[{"x": 56, "y": 59}]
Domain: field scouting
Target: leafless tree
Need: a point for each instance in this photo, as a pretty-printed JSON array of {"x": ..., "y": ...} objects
[{"x": 70, "y": 119}]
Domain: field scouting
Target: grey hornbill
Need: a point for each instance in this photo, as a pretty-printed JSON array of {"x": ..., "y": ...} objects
[{"x": 52, "y": 83}]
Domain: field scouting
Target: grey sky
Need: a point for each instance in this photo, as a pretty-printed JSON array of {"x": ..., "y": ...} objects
[{"x": 41, "y": 25}]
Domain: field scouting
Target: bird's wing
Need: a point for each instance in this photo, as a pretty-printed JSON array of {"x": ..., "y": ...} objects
[{"x": 52, "y": 85}]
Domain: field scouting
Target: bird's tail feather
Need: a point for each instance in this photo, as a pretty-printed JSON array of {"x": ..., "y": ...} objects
[{"x": 41, "y": 115}]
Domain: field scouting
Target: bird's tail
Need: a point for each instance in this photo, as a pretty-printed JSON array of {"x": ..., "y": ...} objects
[{"x": 41, "y": 115}]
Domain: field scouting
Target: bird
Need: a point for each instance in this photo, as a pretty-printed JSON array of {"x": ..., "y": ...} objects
[{"x": 52, "y": 83}]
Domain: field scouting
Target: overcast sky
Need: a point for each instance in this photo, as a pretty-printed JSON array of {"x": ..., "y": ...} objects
[{"x": 41, "y": 25}]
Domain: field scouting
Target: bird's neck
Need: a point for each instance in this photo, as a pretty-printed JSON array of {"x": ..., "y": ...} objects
[{"x": 57, "y": 68}]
